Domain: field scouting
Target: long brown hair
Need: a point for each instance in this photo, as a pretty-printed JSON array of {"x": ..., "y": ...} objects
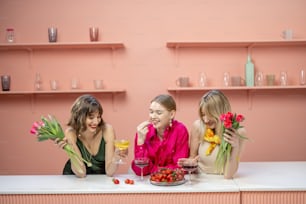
[{"x": 81, "y": 108}]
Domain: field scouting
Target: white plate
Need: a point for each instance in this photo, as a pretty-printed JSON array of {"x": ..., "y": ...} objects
[{"x": 176, "y": 183}]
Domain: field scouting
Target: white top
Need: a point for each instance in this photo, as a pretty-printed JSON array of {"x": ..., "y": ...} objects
[{"x": 251, "y": 176}]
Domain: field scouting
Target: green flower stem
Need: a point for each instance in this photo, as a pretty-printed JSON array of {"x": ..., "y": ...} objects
[{"x": 72, "y": 153}]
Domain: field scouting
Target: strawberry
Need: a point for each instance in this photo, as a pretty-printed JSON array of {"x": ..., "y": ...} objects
[
  {"x": 116, "y": 181},
  {"x": 127, "y": 181}
]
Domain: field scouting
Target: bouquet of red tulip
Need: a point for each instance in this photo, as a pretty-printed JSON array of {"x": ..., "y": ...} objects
[
  {"x": 229, "y": 120},
  {"x": 49, "y": 128}
]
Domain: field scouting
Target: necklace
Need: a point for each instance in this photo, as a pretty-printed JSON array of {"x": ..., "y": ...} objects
[{"x": 213, "y": 139}]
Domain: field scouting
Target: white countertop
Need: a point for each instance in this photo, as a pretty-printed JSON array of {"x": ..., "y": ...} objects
[
  {"x": 252, "y": 176},
  {"x": 271, "y": 176}
]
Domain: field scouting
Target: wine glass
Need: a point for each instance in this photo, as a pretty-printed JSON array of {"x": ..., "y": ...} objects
[
  {"x": 121, "y": 144},
  {"x": 141, "y": 162},
  {"x": 38, "y": 82},
  {"x": 302, "y": 77},
  {"x": 190, "y": 165},
  {"x": 226, "y": 78},
  {"x": 283, "y": 78},
  {"x": 259, "y": 78}
]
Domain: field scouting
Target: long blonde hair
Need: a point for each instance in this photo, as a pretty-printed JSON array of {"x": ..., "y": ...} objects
[{"x": 214, "y": 103}]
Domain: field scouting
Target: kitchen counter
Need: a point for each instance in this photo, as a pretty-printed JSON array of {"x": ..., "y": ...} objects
[
  {"x": 271, "y": 176},
  {"x": 254, "y": 182}
]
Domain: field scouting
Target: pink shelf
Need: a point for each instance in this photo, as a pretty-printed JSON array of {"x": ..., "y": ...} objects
[
  {"x": 186, "y": 89},
  {"x": 233, "y": 44},
  {"x": 112, "y": 91},
  {"x": 60, "y": 45}
]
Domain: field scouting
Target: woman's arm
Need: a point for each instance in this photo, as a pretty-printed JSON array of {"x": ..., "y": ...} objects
[
  {"x": 237, "y": 145},
  {"x": 181, "y": 146},
  {"x": 71, "y": 139},
  {"x": 110, "y": 156},
  {"x": 195, "y": 136}
]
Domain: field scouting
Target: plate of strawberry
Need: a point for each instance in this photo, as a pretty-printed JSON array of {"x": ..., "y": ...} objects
[{"x": 168, "y": 177}]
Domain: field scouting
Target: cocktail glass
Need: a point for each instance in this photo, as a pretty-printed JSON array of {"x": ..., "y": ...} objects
[
  {"x": 190, "y": 165},
  {"x": 121, "y": 144},
  {"x": 141, "y": 162}
]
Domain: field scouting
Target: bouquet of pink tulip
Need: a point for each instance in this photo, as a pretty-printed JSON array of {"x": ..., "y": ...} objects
[
  {"x": 229, "y": 120},
  {"x": 49, "y": 128}
]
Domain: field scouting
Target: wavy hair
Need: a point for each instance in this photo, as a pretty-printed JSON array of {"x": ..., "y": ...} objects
[{"x": 81, "y": 109}]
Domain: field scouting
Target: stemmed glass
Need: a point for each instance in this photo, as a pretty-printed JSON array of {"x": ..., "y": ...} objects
[
  {"x": 190, "y": 165},
  {"x": 283, "y": 78},
  {"x": 259, "y": 79},
  {"x": 121, "y": 144},
  {"x": 141, "y": 162},
  {"x": 37, "y": 82},
  {"x": 226, "y": 78}
]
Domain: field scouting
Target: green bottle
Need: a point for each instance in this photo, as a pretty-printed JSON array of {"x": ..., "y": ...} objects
[{"x": 249, "y": 72}]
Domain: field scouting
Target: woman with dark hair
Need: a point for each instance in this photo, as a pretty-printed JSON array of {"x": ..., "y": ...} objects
[
  {"x": 91, "y": 138},
  {"x": 162, "y": 139}
]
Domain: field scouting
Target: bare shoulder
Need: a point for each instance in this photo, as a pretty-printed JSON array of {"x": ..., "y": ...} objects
[
  {"x": 109, "y": 132},
  {"x": 70, "y": 134},
  {"x": 197, "y": 126}
]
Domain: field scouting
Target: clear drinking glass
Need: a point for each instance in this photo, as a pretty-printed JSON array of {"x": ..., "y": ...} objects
[{"x": 302, "y": 77}]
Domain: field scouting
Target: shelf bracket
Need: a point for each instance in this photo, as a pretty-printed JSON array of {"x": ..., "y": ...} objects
[
  {"x": 176, "y": 55},
  {"x": 250, "y": 99}
]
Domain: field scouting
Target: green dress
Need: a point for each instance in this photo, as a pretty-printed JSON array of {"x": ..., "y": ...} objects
[{"x": 98, "y": 161}]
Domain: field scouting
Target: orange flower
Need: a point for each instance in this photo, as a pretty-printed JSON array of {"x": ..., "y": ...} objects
[{"x": 213, "y": 139}]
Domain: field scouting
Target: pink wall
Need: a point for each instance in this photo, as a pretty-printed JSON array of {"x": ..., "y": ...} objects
[{"x": 275, "y": 120}]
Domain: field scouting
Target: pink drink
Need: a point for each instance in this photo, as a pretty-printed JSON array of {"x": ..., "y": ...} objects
[
  {"x": 141, "y": 162},
  {"x": 190, "y": 167}
]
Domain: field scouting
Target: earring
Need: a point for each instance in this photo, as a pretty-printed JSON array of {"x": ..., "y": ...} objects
[{"x": 170, "y": 123}]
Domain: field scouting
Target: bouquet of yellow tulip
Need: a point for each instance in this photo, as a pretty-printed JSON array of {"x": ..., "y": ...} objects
[
  {"x": 49, "y": 128},
  {"x": 229, "y": 120}
]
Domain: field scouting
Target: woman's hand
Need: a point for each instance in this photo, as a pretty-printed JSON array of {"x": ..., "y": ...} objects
[
  {"x": 142, "y": 131},
  {"x": 121, "y": 153},
  {"x": 60, "y": 143},
  {"x": 231, "y": 136},
  {"x": 182, "y": 160}
]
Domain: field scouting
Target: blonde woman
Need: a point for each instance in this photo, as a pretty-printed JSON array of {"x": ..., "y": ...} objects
[{"x": 212, "y": 105}]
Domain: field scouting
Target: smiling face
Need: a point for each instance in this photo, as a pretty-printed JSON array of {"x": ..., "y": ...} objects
[
  {"x": 86, "y": 115},
  {"x": 209, "y": 121},
  {"x": 93, "y": 121},
  {"x": 160, "y": 117}
]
